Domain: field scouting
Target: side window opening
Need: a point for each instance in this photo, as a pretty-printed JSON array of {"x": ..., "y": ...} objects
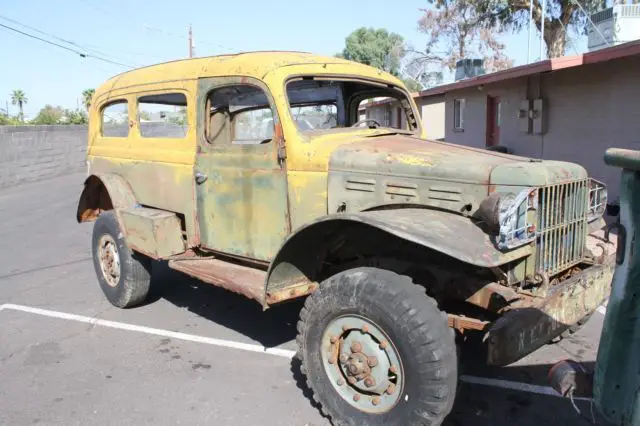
[
  {"x": 115, "y": 120},
  {"x": 163, "y": 115},
  {"x": 239, "y": 115}
]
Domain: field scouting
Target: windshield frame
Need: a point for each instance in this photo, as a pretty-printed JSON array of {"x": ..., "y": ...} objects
[{"x": 385, "y": 84}]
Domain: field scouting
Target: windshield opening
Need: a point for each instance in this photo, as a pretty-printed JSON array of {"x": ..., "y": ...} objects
[{"x": 320, "y": 105}]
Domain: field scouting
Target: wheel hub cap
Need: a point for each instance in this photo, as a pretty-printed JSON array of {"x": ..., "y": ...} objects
[
  {"x": 109, "y": 260},
  {"x": 362, "y": 364}
]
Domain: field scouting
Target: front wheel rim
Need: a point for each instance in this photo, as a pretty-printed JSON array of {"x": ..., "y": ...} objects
[
  {"x": 362, "y": 364},
  {"x": 109, "y": 260}
]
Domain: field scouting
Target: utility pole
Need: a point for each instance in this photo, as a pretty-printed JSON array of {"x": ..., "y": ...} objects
[{"x": 190, "y": 42}]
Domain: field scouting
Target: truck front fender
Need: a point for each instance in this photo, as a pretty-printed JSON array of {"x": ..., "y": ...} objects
[{"x": 453, "y": 235}]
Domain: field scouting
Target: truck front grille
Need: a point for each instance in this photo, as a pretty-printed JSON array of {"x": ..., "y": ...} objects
[{"x": 562, "y": 225}]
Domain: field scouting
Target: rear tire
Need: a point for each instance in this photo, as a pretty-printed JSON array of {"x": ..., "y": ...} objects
[
  {"x": 124, "y": 276},
  {"x": 417, "y": 331}
]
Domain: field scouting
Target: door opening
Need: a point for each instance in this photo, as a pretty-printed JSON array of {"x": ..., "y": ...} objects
[{"x": 493, "y": 120}]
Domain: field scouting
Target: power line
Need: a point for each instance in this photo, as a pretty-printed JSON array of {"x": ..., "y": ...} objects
[
  {"x": 150, "y": 28},
  {"x": 81, "y": 54}
]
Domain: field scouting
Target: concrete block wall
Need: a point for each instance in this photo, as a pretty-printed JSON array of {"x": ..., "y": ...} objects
[{"x": 30, "y": 153}]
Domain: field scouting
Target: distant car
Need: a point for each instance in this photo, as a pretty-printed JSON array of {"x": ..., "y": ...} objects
[{"x": 398, "y": 243}]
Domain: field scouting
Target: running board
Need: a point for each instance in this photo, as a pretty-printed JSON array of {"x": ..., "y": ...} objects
[{"x": 240, "y": 279}]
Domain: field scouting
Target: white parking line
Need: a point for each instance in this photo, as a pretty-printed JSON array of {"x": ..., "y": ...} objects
[
  {"x": 285, "y": 353},
  {"x": 148, "y": 330}
]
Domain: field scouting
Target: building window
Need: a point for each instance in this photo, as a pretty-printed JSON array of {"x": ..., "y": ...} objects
[
  {"x": 115, "y": 120},
  {"x": 163, "y": 115},
  {"x": 458, "y": 114}
]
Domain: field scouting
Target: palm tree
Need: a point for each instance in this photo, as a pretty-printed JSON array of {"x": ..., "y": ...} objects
[
  {"x": 19, "y": 98},
  {"x": 87, "y": 95}
]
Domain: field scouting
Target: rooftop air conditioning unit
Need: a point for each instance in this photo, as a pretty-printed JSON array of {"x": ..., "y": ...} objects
[
  {"x": 468, "y": 68},
  {"x": 615, "y": 25}
]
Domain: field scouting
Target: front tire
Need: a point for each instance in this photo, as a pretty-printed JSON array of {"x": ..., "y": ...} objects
[
  {"x": 124, "y": 276},
  {"x": 365, "y": 319}
]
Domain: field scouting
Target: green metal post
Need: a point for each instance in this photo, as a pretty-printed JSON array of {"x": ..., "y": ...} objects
[{"x": 617, "y": 373}]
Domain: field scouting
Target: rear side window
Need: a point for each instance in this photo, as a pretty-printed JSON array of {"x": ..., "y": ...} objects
[
  {"x": 115, "y": 120},
  {"x": 163, "y": 116}
]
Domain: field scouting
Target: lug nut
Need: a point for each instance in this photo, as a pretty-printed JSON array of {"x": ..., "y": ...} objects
[
  {"x": 352, "y": 380},
  {"x": 356, "y": 347},
  {"x": 344, "y": 358},
  {"x": 356, "y": 397},
  {"x": 333, "y": 339},
  {"x": 345, "y": 327},
  {"x": 340, "y": 381},
  {"x": 391, "y": 389},
  {"x": 375, "y": 400},
  {"x": 393, "y": 369},
  {"x": 369, "y": 382},
  {"x": 331, "y": 360},
  {"x": 372, "y": 361},
  {"x": 365, "y": 329},
  {"x": 384, "y": 344}
]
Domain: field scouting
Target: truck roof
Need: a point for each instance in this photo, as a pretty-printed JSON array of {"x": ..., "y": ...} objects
[{"x": 250, "y": 64}]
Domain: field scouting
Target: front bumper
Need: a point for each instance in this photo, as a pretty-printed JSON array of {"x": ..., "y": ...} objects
[{"x": 523, "y": 330}]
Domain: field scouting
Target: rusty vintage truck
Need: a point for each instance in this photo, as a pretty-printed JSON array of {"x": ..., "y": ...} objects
[{"x": 258, "y": 172}]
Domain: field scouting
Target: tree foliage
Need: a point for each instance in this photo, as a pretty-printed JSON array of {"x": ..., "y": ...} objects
[
  {"x": 376, "y": 47},
  {"x": 458, "y": 30},
  {"x": 87, "y": 96},
  {"x": 58, "y": 115},
  {"x": 49, "y": 115},
  {"x": 513, "y": 15},
  {"x": 559, "y": 16},
  {"x": 19, "y": 98}
]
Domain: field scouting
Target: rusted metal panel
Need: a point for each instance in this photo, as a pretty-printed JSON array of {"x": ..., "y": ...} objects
[
  {"x": 243, "y": 203},
  {"x": 103, "y": 191},
  {"x": 454, "y": 235},
  {"x": 462, "y": 324},
  {"x": 234, "y": 277},
  {"x": 156, "y": 233},
  {"x": 524, "y": 329},
  {"x": 293, "y": 291}
]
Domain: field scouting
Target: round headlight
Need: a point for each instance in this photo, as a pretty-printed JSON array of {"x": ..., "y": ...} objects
[{"x": 490, "y": 208}]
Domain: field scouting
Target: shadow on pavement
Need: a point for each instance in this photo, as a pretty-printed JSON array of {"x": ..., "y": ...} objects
[{"x": 270, "y": 328}]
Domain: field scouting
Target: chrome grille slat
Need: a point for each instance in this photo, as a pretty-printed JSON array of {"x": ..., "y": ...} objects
[{"x": 562, "y": 224}]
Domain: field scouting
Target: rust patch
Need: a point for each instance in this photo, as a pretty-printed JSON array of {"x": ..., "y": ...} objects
[
  {"x": 303, "y": 288},
  {"x": 240, "y": 279},
  {"x": 462, "y": 323}
]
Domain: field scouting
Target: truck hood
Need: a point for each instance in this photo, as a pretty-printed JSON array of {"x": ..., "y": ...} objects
[{"x": 409, "y": 156}]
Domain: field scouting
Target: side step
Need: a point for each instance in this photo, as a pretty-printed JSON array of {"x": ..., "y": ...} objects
[{"x": 240, "y": 279}]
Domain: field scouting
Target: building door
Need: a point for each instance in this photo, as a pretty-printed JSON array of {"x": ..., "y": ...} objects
[{"x": 493, "y": 120}]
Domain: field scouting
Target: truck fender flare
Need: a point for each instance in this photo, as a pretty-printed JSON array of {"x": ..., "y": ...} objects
[
  {"x": 298, "y": 260},
  {"x": 103, "y": 191}
]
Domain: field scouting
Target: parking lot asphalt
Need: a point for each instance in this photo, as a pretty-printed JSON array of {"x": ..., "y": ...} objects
[{"x": 201, "y": 358}]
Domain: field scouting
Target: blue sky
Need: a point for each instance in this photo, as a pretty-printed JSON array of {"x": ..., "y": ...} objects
[{"x": 141, "y": 32}]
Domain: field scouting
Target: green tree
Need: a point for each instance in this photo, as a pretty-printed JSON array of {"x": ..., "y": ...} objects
[
  {"x": 19, "y": 98},
  {"x": 76, "y": 116},
  {"x": 376, "y": 47},
  {"x": 6, "y": 120},
  {"x": 49, "y": 115},
  {"x": 513, "y": 15},
  {"x": 87, "y": 96},
  {"x": 456, "y": 29},
  {"x": 560, "y": 15}
]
